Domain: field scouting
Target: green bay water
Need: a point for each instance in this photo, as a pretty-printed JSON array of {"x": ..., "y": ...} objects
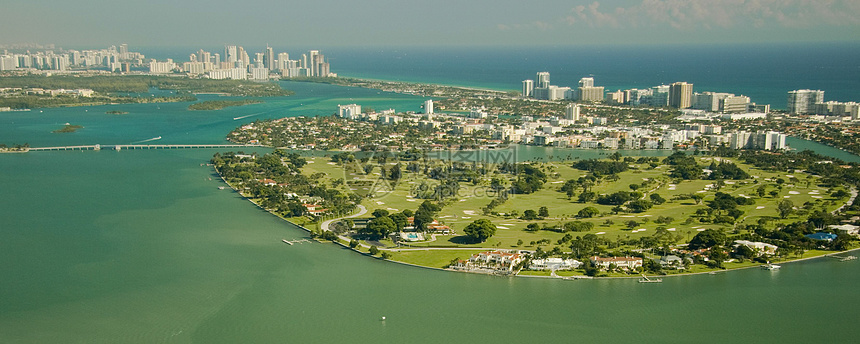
[{"x": 142, "y": 247}]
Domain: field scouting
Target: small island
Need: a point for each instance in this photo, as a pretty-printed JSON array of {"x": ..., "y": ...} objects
[
  {"x": 220, "y": 104},
  {"x": 34, "y": 91},
  {"x": 69, "y": 128},
  {"x": 439, "y": 198},
  {"x": 116, "y": 112}
]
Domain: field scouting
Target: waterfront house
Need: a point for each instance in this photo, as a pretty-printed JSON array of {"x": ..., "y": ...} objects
[
  {"x": 847, "y": 229},
  {"x": 434, "y": 226},
  {"x": 554, "y": 264},
  {"x": 491, "y": 261},
  {"x": 314, "y": 209},
  {"x": 627, "y": 263},
  {"x": 671, "y": 262},
  {"x": 759, "y": 247}
]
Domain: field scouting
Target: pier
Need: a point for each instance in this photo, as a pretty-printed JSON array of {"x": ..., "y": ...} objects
[
  {"x": 133, "y": 147},
  {"x": 645, "y": 279},
  {"x": 843, "y": 258},
  {"x": 293, "y": 242}
]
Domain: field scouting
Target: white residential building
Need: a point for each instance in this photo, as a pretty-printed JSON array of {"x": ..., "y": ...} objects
[
  {"x": 627, "y": 263},
  {"x": 801, "y": 101},
  {"x": 528, "y": 88},
  {"x": 229, "y": 73},
  {"x": 351, "y": 111},
  {"x": 760, "y": 247},
  {"x": 554, "y": 264},
  {"x": 166, "y": 67}
]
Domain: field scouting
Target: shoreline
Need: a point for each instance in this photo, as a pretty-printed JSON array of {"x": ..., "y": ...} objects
[
  {"x": 470, "y": 88},
  {"x": 565, "y": 278}
]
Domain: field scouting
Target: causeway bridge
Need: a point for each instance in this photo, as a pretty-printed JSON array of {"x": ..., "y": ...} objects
[{"x": 133, "y": 147}]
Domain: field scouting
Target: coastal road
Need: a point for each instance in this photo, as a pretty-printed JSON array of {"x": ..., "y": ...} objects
[
  {"x": 361, "y": 211},
  {"x": 850, "y": 201}
]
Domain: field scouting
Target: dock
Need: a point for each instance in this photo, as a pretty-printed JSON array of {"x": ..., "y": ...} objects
[
  {"x": 645, "y": 279},
  {"x": 293, "y": 242},
  {"x": 843, "y": 258}
]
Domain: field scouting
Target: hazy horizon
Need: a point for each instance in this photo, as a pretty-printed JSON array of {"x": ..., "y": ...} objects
[{"x": 328, "y": 23}]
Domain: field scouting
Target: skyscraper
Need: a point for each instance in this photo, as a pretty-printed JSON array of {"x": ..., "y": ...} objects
[
  {"x": 243, "y": 58},
  {"x": 260, "y": 60},
  {"x": 313, "y": 59},
  {"x": 680, "y": 95},
  {"x": 571, "y": 112},
  {"x": 528, "y": 88},
  {"x": 269, "y": 60},
  {"x": 802, "y": 101},
  {"x": 123, "y": 51},
  {"x": 586, "y": 82},
  {"x": 542, "y": 79},
  {"x": 230, "y": 54},
  {"x": 428, "y": 106}
]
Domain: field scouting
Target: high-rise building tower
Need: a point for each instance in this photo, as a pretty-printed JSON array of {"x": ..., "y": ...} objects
[
  {"x": 123, "y": 51},
  {"x": 542, "y": 80},
  {"x": 586, "y": 82},
  {"x": 428, "y": 106},
  {"x": 243, "y": 58},
  {"x": 528, "y": 88},
  {"x": 260, "y": 60},
  {"x": 802, "y": 101},
  {"x": 269, "y": 61},
  {"x": 231, "y": 54},
  {"x": 313, "y": 59},
  {"x": 571, "y": 112},
  {"x": 680, "y": 95}
]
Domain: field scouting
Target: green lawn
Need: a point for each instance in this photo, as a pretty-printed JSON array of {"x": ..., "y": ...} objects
[
  {"x": 435, "y": 259},
  {"x": 462, "y": 210}
]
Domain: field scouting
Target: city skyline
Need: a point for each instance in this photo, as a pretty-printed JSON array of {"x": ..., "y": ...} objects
[{"x": 382, "y": 23}]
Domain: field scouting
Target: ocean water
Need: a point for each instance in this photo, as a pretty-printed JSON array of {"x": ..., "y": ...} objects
[
  {"x": 764, "y": 72},
  {"x": 142, "y": 247}
]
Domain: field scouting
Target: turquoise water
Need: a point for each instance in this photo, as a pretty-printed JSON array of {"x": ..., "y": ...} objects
[
  {"x": 764, "y": 72},
  {"x": 801, "y": 144},
  {"x": 142, "y": 247}
]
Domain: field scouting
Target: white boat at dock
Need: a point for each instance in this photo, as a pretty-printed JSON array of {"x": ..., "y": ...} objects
[{"x": 770, "y": 266}]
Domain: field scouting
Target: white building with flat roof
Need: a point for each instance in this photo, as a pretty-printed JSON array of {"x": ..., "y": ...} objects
[
  {"x": 801, "y": 101},
  {"x": 351, "y": 111},
  {"x": 528, "y": 88}
]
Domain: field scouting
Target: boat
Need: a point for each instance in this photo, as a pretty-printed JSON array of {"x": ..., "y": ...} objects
[
  {"x": 770, "y": 266},
  {"x": 287, "y": 241},
  {"x": 645, "y": 279}
]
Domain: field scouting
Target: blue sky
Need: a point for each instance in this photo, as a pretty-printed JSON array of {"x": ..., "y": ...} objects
[{"x": 426, "y": 23}]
